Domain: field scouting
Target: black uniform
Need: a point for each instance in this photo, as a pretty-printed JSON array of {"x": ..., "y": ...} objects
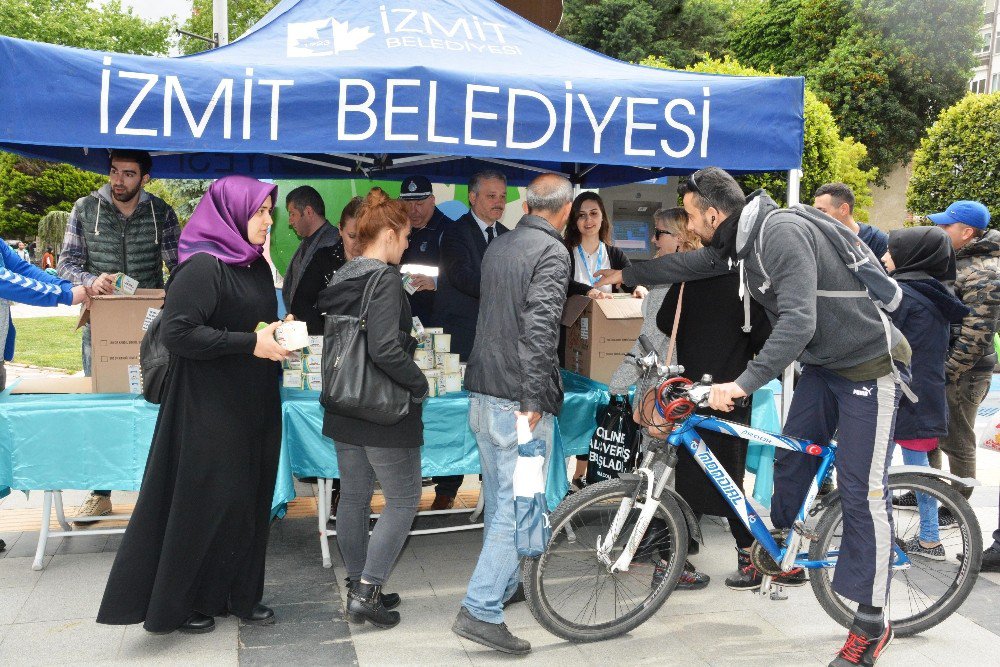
[{"x": 425, "y": 249}]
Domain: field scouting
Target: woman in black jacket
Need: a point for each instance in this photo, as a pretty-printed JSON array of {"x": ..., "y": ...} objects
[
  {"x": 367, "y": 451},
  {"x": 922, "y": 261}
]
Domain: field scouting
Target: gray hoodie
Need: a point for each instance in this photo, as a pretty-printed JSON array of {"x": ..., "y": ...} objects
[{"x": 796, "y": 265}]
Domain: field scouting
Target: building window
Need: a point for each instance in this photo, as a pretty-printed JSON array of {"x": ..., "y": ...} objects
[
  {"x": 996, "y": 80},
  {"x": 984, "y": 37}
]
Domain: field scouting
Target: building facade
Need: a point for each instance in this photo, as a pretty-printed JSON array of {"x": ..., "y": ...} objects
[{"x": 986, "y": 76}]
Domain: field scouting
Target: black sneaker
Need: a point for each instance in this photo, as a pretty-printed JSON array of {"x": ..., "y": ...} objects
[
  {"x": 946, "y": 519},
  {"x": 860, "y": 649},
  {"x": 493, "y": 635},
  {"x": 991, "y": 559},
  {"x": 749, "y": 578},
  {"x": 690, "y": 579},
  {"x": 906, "y": 500}
]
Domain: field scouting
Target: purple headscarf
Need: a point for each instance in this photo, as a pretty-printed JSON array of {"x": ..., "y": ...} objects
[{"x": 218, "y": 225}]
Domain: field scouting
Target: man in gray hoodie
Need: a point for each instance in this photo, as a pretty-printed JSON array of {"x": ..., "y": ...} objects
[{"x": 851, "y": 361}]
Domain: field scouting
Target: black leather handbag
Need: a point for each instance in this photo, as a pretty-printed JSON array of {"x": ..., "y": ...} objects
[{"x": 353, "y": 386}]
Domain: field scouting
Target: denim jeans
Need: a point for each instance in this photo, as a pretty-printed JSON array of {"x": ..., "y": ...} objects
[
  {"x": 496, "y": 575},
  {"x": 925, "y": 504}
]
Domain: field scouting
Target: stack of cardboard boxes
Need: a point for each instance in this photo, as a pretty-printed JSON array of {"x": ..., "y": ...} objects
[{"x": 445, "y": 373}]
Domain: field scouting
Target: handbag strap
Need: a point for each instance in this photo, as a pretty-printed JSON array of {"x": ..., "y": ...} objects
[
  {"x": 368, "y": 294},
  {"x": 677, "y": 320}
]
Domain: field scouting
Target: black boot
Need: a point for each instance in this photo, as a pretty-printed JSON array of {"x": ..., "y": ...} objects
[
  {"x": 197, "y": 623},
  {"x": 364, "y": 603},
  {"x": 389, "y": 600}
]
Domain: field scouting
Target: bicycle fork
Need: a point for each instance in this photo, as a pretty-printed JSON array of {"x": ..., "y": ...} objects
[{"x": 654, "y": 487}]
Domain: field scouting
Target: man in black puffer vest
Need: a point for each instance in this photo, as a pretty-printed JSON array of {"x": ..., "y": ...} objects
[{"x": 120, "y": 228}]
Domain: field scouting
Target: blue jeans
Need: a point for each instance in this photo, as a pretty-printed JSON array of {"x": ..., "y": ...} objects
[
  {"x": 496, "y": 575},
  {"x": 926, "y": 504}
]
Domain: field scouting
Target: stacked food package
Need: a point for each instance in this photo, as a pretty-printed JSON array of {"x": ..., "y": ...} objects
[
  {"x": 445, "y": 373},
  {"x": 304, "y": 369}
]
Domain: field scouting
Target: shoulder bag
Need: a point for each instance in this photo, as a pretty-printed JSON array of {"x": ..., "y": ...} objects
[{"x": 353, "y": 386}]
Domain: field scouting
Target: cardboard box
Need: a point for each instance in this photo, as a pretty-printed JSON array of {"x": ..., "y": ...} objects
[
  {"x": 600, "y": 332},
  {"x": 117, "y": 324}
]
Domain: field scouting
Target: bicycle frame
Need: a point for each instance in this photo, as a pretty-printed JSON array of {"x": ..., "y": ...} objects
[{"x": 686, "y": 436}]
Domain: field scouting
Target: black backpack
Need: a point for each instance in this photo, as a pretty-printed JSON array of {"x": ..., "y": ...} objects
[{"x": 154, "y": 357}]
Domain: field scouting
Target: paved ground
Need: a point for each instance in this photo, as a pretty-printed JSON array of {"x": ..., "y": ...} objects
[{"x": 47, "y": 617}]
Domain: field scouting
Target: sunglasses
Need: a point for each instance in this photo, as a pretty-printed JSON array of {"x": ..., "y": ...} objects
[{"x": 657, "y": 233}]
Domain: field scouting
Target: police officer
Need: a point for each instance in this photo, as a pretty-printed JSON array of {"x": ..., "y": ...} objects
[{"x": 427, "y": 224}]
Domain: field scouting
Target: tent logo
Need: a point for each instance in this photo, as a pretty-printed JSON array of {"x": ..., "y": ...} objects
[{"x": 325, "y": 37}]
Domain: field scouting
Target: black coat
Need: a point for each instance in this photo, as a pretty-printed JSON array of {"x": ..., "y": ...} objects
[
  {"x": 710, "y": 340},
  {"x": 304, "y": 281},
  {"x": 456, "y": 306},
  {"x": 616, "y": 257},
  {"x": 388, "y": 315},
  {"x": 925, "y": 316},
  {"x": 425, "y": 249},
  {"x": 198, "y": 535},
  {"x": 524, "y": 286}
]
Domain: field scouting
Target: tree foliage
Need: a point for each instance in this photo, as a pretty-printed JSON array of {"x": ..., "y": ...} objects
[
  {"x": 181, "y": 194},
  {"x": 681, "y": 32},
  {"x": 886, "y": 68},
  {"x": 52, "y": 230},
  {"x": 243, "y": 14},
  {"x": 105, "y": 27},
  {"x": 958, "y": 159},
  {"x": 826, "y": 156},
  {"x": 31, "y": 188}
]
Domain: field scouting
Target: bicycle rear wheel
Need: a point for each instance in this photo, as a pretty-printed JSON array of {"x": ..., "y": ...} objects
[
  {"x": 573, "y": 595},
  {"x": 928, "y": 591}
]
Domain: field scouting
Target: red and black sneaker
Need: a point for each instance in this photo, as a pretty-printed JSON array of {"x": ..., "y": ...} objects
[
  {"x": 860, "y": 649},
  {"x": 749, "y": 578}
]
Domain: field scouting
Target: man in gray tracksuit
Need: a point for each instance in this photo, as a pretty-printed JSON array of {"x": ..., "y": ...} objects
[{"x": 849, "y": 382}]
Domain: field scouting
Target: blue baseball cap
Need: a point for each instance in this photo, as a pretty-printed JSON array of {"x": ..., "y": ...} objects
[{"x": 972, "y": 213}]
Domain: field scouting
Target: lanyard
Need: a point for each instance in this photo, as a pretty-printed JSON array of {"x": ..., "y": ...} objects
[{"x": 597, "y": 262}]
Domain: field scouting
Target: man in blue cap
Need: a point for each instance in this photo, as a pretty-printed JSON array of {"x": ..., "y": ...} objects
[{"x": 970, "y": 363}]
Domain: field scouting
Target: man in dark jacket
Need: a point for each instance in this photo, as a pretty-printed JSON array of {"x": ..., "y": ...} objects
[
  {"x": 969, "y": 368},
  {"x": 314, "y": 261},
  {"x": 837, "y": 201},
  {"x": 120, "y": 228},
  {"x": 463, "y": 245},
  {"x": 850, "y": 381},
  {"x": 514, "y": 371},
  {"x": 427, "y": 225}
]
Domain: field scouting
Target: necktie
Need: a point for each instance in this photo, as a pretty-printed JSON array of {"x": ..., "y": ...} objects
[{"x": 490, "y": 234}]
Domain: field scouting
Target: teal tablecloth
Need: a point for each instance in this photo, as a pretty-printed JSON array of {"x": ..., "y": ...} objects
[{"x": 101, "y": 441}]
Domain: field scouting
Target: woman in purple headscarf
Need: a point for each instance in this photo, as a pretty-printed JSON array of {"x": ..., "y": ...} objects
[{"x": 195, "y": 546}]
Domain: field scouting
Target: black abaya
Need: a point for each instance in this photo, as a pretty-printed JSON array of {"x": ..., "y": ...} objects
[
  {"x": 710, "y": 340},
  {"x": 198, "y": 534}
]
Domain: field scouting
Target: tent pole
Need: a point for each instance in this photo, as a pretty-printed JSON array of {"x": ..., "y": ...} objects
[
  {"x": 788, "y": 377},
  {"x": 220, "y": 21}
]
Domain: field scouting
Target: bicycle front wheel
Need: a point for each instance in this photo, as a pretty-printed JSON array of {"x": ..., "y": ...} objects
[
  {"x": 574, "y": 595},
  {"x": 933, "y": 585}
]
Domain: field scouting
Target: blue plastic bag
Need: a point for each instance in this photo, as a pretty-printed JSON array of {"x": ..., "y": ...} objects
[{"x": 531, "y": 513}]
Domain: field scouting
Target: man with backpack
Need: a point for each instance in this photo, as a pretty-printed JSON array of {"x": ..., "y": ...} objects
[{"x": 796, "y": 265}]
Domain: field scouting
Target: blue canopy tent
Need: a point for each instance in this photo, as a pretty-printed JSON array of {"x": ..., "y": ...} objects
[{"x": 355, "y": 88}]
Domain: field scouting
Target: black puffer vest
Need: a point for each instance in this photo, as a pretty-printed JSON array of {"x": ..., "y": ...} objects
[{"x": 128, "y": 245}]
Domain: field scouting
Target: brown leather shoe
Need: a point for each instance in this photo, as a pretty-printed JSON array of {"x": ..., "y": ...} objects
[{"x": 443, "y": 502}]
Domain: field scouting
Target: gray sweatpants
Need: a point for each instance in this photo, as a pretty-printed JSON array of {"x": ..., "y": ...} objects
[{"x": 398, "y": 472}]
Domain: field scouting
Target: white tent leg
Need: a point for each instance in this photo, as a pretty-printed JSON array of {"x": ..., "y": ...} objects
[{"x": 788, "y": 377}]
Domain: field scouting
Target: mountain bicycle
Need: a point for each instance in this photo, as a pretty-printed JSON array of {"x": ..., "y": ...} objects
[{"x": 618, "y": 547}]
